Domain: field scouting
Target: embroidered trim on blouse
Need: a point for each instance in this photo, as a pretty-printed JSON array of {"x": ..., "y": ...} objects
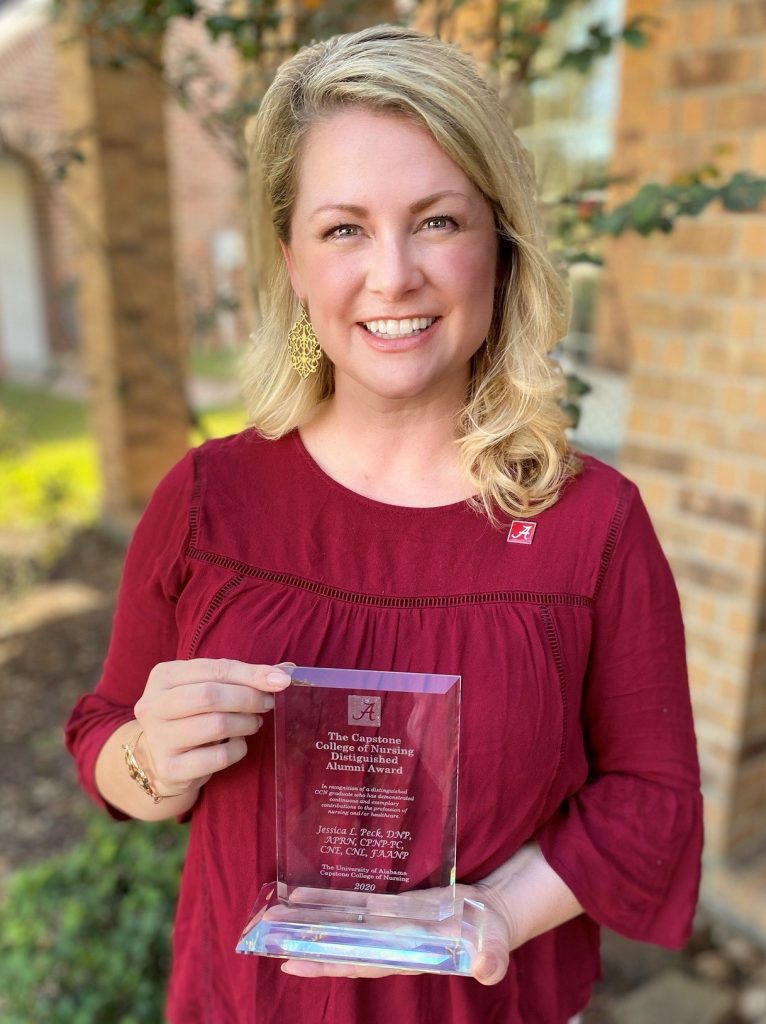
[{"x": 382, "y": 600}]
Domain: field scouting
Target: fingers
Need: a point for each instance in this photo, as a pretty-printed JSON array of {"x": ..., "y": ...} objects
[
  {"x": 317, "y": 969},
  {"x": 208, "y": 697},
  {"x": 178, "y": 769},
  {"x": 180, "y": 689},
  {"x": 269, "y": 678},
  {"x": 199, "y": 730},
  {"x": 195, "y": 714},
  {"x": 489, "y": 968}
]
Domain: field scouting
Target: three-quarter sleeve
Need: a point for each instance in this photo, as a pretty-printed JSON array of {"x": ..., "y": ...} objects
[
  {"x": 628, "y": 843},
  {"x": 144, "y": 628}
]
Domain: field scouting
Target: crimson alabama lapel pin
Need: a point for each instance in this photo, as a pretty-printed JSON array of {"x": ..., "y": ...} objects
[{"x": 521, "y": 532}]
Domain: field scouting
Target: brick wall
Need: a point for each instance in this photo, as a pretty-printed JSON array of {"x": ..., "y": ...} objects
[
  {"x": 690, "y": 307},
  {"x": 205, "y": 183}
]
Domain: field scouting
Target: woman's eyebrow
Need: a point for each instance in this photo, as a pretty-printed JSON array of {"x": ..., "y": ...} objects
[
  {"x": 436, "y": 197},
  {"x": 416, "y": 207},
  {"x": 356, "y": 211}
]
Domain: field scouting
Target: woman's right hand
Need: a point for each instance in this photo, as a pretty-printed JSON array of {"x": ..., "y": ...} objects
[{"x": 195, "y": 715}]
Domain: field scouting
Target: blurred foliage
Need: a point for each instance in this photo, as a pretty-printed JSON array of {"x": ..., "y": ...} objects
[
  {"x": 577, "y": 389},
  {"x": 582, "y": 221},
  {"x": 263, "y": 33},
  {"x": 48, "y": 460},
  {"x": 85, "y": 936},
  {"x": 524, "y": 33},
  {"x": 255, "y": 28},
  {"x": 228, "y": 419},
  {"x": 215, "y": 363},
  {"x": 526, "y": 47},
  {"x": 41, "y": 415}
]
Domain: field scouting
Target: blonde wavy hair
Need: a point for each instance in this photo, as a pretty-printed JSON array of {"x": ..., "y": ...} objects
[{"x": 511, "y": 430}]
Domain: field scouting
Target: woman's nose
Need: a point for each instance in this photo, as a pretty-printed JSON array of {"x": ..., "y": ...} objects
[{"x": 394, "y": 268}]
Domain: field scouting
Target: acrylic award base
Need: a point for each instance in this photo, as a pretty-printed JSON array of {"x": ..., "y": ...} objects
[{"x": 303, "y": 932}]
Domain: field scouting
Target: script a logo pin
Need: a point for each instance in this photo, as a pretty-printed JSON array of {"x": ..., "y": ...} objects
[
  {"x": 521, "y": 532},
  {"x": 364, "y": 710}
]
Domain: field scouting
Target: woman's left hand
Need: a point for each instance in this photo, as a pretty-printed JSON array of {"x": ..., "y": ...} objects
[
  {"x": 522, "y": 898},
  {"x": 488, "y": 967}
]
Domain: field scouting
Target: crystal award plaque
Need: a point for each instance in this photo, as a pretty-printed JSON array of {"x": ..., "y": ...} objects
[{"x": 366, "y": 774}]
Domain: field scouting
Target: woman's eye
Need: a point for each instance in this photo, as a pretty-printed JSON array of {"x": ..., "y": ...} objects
[
  {"x": 342, "y": 231},
  {"x": 441, "y": 222}
]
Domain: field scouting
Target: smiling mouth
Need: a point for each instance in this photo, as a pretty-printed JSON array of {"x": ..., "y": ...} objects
[{"x": 406, "y": 328}]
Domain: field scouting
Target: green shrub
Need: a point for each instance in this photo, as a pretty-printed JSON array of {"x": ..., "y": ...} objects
[
  {"x": 49, "y": 460},
  {"x": 85, "y": 936}
]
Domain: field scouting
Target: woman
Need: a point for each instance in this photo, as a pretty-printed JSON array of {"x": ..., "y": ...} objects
[{"x": 407, "y": 501}]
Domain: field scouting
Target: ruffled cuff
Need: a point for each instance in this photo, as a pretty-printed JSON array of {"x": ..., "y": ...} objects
[
  {"x": 629, "y": 849},
  {"x": 90, "y": 725}
]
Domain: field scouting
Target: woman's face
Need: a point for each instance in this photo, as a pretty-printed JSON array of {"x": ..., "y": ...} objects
[{"x": 394, "y": 252}]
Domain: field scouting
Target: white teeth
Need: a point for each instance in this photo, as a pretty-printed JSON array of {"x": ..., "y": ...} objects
[{"x": 399, "y": 328}]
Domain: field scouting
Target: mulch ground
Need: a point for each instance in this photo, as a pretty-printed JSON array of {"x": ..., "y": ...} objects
[{"x": 54, "y": 629}]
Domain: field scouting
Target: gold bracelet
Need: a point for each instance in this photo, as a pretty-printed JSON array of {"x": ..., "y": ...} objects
[{"x": 135, "y": 771}]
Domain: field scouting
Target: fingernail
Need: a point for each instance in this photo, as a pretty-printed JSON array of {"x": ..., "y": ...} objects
[
  {"x": 268, "y": 702},
  {"x": 278, "y": 678}
]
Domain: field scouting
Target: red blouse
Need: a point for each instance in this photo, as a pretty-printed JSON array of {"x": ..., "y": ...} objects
[{"x": 576, "y": 728}]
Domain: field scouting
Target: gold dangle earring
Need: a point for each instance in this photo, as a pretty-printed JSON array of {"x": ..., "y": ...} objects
[{"x": 303, "y": 346}]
